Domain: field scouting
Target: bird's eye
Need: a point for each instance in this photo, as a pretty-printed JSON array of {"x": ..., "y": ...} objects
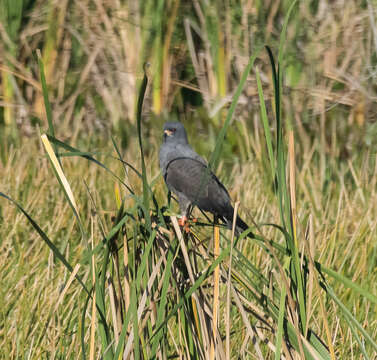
[{"x": 173, "y": 130}]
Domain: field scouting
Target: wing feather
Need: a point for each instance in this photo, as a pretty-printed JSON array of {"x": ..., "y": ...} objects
[{"x": 197, "y": 183}]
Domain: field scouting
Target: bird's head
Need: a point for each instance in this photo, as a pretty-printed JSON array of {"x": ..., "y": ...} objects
[{"x": 175, "y": 132}]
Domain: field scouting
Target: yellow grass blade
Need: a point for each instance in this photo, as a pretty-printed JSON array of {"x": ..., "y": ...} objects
[
  {"x": 94, "y": 307},
  {"x": 227, "y": 310},
  {"x": 216, "y": 289},
  {"x": 66, "y": 287},
  {"x": 59, "y": 171}
]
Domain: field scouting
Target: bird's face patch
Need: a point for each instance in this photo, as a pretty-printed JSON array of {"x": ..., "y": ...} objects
[
  {"x": 174, "y": 133},
  {"x": 169, "y": 132}
]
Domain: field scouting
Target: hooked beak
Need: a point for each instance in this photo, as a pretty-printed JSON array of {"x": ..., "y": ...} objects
[{"x": 168, "y": 132}]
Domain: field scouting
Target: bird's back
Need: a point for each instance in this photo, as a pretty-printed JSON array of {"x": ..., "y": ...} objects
[{"x": 197, "y": 182}]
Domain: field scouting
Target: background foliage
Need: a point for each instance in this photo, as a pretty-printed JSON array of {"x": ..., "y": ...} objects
[{"x": 93, "y": 52}]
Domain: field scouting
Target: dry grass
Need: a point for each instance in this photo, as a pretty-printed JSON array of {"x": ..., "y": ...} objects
[
  {"x": 93, "y": 53},
  {"x": 341, "y": 227}
]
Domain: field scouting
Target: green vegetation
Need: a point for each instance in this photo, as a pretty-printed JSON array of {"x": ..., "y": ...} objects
[{"x": 93, "y": 262}]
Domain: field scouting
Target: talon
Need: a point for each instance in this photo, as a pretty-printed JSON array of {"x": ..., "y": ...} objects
[
  {"x": 186, "y": 228},
  {"x": 183, "y": 221}
]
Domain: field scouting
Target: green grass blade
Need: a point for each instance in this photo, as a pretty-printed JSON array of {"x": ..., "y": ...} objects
[
  {"x": 205, "y": 274},
  {"x": 123, "y": 163},
  {"x": 47, "y": 103},
  {"x": 161, "y": 311},
  {"x": 215, "y": 156},
  {"x": 140, "y": 101},
  {"x": 283, "y": 34},
  {"x": 220, "y": 139},
  {"x": 88, "y": 155},
  {"x": 279, "y": 335},
  {"x": 11, "y": 17},
  {"x": 318, "y": 345},
  {"x": 266, "y": 126},
  {"x": 346, "y": 282},
  {"x": 280, "y": 166},
  {"x": 348, "y": 314},
  {"x": 132, "y": 311},
  {"x": 354, "y": 333},
  {"x": 45, "y": 238},
  {"x": 297, "y": 275},
  {"x": 83, "y": 315},
  {"x": 100, "y": 289}
]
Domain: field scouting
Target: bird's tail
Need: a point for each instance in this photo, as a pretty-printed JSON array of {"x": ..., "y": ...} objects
[{"x": 241, "y": 226}]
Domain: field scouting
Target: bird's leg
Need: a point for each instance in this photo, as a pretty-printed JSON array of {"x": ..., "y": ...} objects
[{"x": 183, "y": 221}]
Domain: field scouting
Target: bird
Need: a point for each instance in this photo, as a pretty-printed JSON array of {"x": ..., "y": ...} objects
[{"x": 189, "y": 177}]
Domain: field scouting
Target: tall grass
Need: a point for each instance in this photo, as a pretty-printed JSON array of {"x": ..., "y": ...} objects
[
  {"x": 10, "y": 18},
  {"x": 123, "y": 280}
]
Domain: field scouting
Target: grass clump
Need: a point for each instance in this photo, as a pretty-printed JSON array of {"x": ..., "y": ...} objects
[{"x": 118, "y": 278}]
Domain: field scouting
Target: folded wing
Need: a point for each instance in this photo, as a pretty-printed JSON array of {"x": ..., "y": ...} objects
[{"x": 198, "y": 184}]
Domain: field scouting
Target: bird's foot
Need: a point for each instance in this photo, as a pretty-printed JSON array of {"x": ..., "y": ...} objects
[{"x": 183, "y": 222}]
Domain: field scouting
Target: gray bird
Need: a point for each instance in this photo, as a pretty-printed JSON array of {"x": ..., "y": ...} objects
[{"x": 187, "y": 175}]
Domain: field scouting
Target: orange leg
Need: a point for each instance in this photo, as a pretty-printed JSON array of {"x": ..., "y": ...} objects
[{"x": 183, "y": 222}]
